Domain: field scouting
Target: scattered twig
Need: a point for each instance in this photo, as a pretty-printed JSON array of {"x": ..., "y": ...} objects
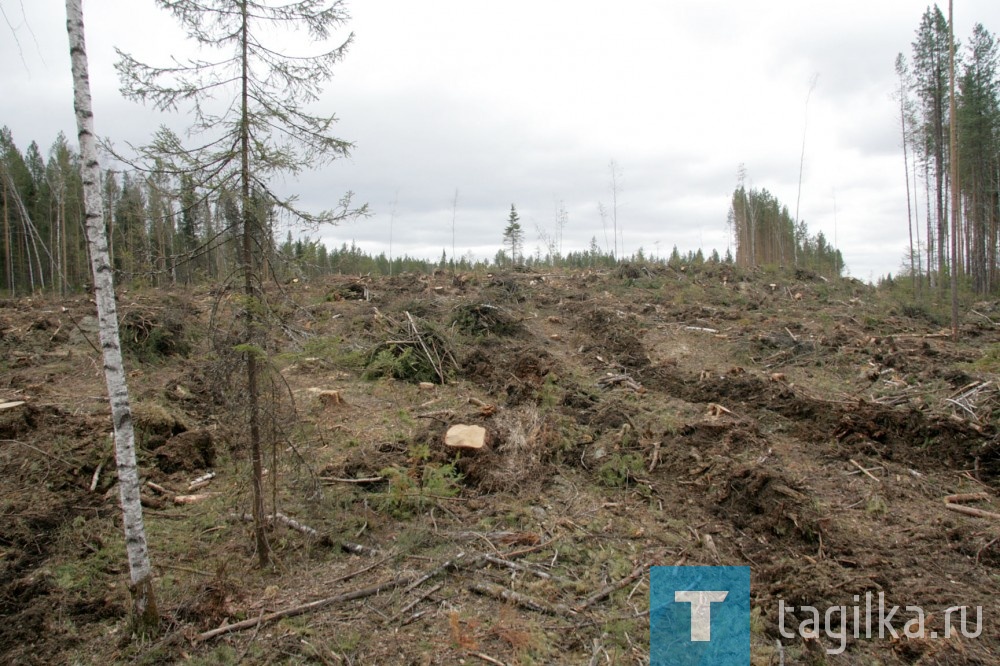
[
  {"x": 86, "y": 337},
  {"x": 866, "y": 472},
  {"x": 440, "y": 415},
  {"x": 47, "y": 454},
  {"x": 304, "y": 608},
  {"x": 979, "y": 553},
  {"x": 983, "y": 316},
  {"x": 246, "y": 648},
  {"x": 433, "y": 359},
  {"x": 97, "y": 477},
  {"x": 517, "y": 566},
  {"x": 532, "y": 549},
  {"x": 488, "y": 659},
  {"x": 595, "y": 656},
  {"x": 608, "y": 590},
  {"x": 717, "y": 410},
  {"x": 413, "y": 618},
  {"x": 177, "y": 567},
  {"x": 410, "y": 606},
  {"x": 654, "y": 459},
  {"x": 453, "y": 563},
  {"x": 966, "y": 475},
  {"x": 353, "y": 574}
]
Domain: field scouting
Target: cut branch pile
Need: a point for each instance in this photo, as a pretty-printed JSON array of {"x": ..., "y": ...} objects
[{"x": 415, "y": 351}]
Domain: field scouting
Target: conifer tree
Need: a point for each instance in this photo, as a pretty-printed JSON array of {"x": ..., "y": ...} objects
[
  {"x": 513, "y": 235},
  {"x": 249, "y": 106}
]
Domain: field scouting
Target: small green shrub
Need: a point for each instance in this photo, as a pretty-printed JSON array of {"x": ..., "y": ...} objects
[
  {"x": 620, "y": 469},
  {"x": 410, "y": 490},
  {"x": 400, "y": 362}
]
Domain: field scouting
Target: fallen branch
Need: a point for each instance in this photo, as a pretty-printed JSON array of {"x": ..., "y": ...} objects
[
  {"x": 532, "y": 549},
  {"x": 191, "y": 499},
  {"x": 160, "y": 490},
  {"x": 358, "y": 572},
  {"x": 611, "y": 589},
  {"x": 304, "y": 608},
  {"x": 989, "y": 545},
  {"x": 453, "y": 563},
  {"x": 201, "y": 481},
  {"x": 413, "y": 618},
  {"x": 967, "y": 497},
  {"x": 623, "y": 380},
  {"x": 295, "y": 525},
  {"x": 517, "y": 566},
  {"x": 441, "y": 415},
  {"x": 499, "y": 592},
  {"x": 487, "y": 658},
  {"x": 279, "y": 518},
  {"x": 971, "y": 511},
  {"x": 410, "y": 606},
  {"x": 333, "y": 479},
  {"x": 357, "y": 548},
  {"x": 654, "y": 460}
]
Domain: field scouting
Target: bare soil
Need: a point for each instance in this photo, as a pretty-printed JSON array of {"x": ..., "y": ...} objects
[{"x": 808, "y": 429}]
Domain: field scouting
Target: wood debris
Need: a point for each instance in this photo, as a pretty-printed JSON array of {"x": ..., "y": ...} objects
[
  {"x": 461, "y": 436},
  {"x": 620, "y": 380}
]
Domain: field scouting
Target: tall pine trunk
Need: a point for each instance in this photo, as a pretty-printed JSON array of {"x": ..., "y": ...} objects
[
  {"x": 145, "y": 617},
  {"x": 955, "y": 191},
  {"x": 906, "y": 167}
]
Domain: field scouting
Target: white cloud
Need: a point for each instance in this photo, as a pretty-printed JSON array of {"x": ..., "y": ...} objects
[{"x": 527, "y": 102}]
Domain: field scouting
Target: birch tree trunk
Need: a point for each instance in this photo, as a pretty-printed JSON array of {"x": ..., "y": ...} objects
[{"x": 145, "y": 617}]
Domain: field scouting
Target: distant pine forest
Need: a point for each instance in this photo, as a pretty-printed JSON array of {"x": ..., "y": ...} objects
[{"x": 166, "y": 233}]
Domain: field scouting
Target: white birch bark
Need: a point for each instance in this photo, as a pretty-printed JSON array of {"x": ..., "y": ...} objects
[{"x": 140, "y": 570}]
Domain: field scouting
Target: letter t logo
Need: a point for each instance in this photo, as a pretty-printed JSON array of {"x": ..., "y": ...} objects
[{"x": 701, "y": 610}]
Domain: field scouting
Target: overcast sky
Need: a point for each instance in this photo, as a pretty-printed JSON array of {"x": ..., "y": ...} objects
[{"x": 527, "y": 102}]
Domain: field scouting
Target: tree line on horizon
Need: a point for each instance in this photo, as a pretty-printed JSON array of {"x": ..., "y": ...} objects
[{"x": 162, "y": 233}]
